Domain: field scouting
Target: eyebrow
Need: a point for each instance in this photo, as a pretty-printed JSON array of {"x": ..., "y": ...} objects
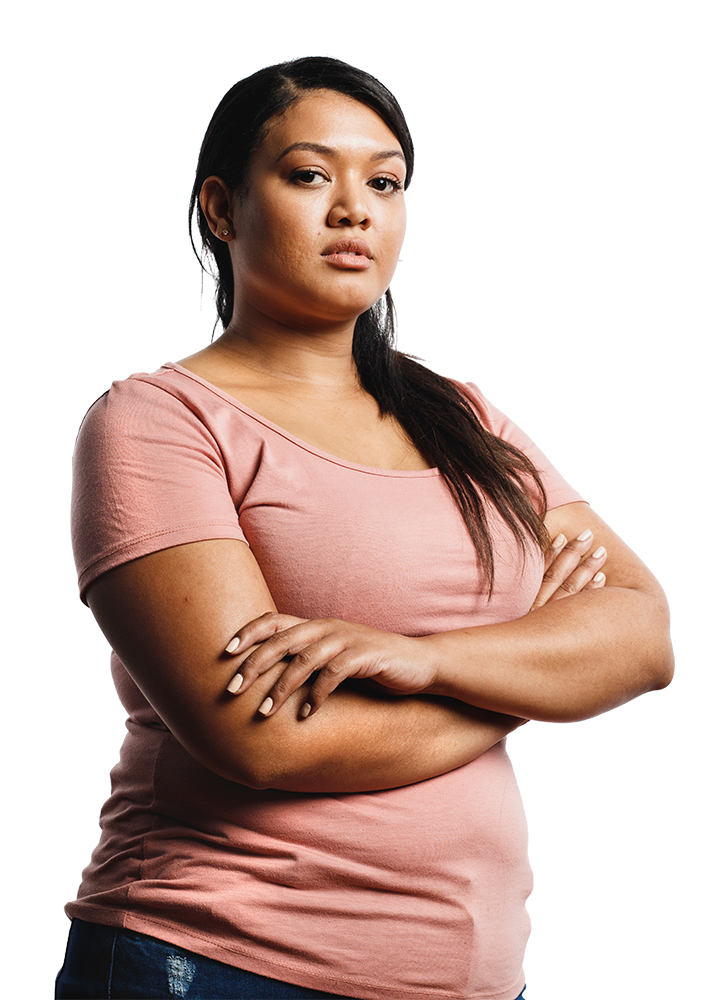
[{"x": 315, "y": 147}]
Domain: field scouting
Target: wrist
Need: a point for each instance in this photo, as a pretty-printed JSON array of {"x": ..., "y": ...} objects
[{"x": 442, "y": 663}]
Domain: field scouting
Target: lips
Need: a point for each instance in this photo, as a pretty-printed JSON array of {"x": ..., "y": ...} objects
[
  {"x": 351, "y": 254},
  {"x": 358, "y": 247}
]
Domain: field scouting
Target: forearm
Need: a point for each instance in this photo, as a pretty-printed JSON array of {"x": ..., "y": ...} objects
[
  {"x": 361, "y": 741},
  {"x": 568, "y": 660},
  {"x": 169, "y": 616}
]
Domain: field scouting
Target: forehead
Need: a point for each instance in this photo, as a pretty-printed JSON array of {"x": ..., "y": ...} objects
[{"x": 327, "y": 118}]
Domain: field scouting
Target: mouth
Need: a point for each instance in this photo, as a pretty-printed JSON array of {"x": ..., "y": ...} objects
[{"x": 351, "y": 254}]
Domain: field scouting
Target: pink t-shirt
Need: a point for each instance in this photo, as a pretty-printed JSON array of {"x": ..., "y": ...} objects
[{"x": 410, "y": 893}]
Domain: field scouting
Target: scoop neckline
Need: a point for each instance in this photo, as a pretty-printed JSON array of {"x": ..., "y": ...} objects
[{"x": 335, "y": 459}]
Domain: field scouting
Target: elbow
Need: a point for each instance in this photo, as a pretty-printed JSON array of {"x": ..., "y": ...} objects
[
  {"x": 651, "y": 657},
  {"x": 251, "y": 759},
  {"x": 661, "y": 659},
  {"x": 258, "y": 767},
  {"x": 266, "y": 770},
  {"x": 259, "y": 781},
  {"x": 279, "y": 773},
  {"x": 250, "y": 770},
  {"x": 238, "y": 744},
  {"x": 662, "y": 670}
]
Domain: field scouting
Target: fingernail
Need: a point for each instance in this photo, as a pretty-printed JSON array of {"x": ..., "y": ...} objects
[
  {"x": 266, "y": 706},
  {"x": 600, "y": 551},
  {"x": 305, "y": 710},
  {"x": 599, "y": 577},
  {"x": 585, "y": 535},
  {"x": 233, "y": 645},
  {"x": 559, "y": 541},
  {"x": 236, "y": 684}
]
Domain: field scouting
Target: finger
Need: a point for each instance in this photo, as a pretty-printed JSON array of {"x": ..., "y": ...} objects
[
  {"x": 249, "y": 666},
  {"x": 237, "y": 680},
  {"x": 257, "y": 660},
  {"x": 328, "y": 679},
  {"x": 321, "y": 657},
  {"x": 583, "y": 575},
  {"x": 309, "y": 645},
  {"x": 556, "y": 547},
  {"x": 292, "y": 678},
  {"x": 259, "y": 630},
  {"x": 562, "y": 566},
  {"x": 254, "y": 632},
  {"x": 400, "y": 668},
  {"x": 597, "y": 582}
]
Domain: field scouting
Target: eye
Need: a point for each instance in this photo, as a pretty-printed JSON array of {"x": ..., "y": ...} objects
[
  {"x": 386, "y": 185},
  {"x": 309, "y": 177}
]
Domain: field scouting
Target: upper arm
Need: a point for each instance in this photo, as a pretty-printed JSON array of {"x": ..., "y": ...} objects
[
  {"x": 569, "y": 514},
  {"x": 162, "y": 565},
  {"x": 646, "y": 602},
  {"x": 168, "y": 616},
  {"x": 148, "y": 474},
  {"x": 623, "y": 567}
]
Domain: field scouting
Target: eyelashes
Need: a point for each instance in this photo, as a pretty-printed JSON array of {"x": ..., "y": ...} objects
[
  {"x": 389, "y": 182},
  {"x": 306, "y": 176},
  {"x": 382, "y": 185}
]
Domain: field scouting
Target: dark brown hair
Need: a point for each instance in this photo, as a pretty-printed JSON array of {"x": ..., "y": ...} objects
[{"x": 475, "y": 464}]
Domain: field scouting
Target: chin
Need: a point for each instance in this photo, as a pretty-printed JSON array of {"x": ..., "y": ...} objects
[{"x": 326, "y": 312}]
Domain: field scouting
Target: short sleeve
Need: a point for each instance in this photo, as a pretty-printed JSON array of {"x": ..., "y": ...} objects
[
  {"x": 147, "y": 475},
  {"x": 557, "y": 489}
]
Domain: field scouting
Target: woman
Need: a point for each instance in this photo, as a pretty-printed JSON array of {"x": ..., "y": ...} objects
[{"x": 262, "y": 838}]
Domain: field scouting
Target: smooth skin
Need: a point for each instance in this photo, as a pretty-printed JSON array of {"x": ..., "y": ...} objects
[
  {"x": 329, "y": 170},
  {"x": 169, "y": 616},
  {"x": 563, "y": 662}
]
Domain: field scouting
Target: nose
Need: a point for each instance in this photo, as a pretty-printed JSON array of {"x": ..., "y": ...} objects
[{"x": 349, "y": 208}]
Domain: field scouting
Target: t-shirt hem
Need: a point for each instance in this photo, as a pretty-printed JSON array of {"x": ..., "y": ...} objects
[
  {"x": 281, "y": 971},
  {"x": 155, "y": 541},
  {"x": 559, "y": 498}
]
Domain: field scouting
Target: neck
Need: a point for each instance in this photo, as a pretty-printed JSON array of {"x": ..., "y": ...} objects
[{"x": 321, "y": 357}]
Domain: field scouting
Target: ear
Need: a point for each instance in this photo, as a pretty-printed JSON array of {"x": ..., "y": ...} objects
[{"x": 215, "y": 199}]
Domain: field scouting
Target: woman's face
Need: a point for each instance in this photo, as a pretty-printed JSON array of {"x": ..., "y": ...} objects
[{"x": 319, "y": 227}]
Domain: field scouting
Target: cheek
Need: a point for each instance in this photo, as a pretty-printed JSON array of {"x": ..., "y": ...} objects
[
  {"x": 283, "y": 232},
  {"x": 260, "y": 248},
  {"x": 402, "y": 223},
  {"x": 394, "y": 237},
  {"x": 274, "y": 247},
  {"x": 393, "y": 246}
]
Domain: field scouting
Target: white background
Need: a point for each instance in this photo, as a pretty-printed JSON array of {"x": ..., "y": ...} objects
[{"x": 559, "y": 254}]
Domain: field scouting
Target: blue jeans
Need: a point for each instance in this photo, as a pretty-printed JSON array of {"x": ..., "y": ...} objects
[{"x": 109, "y": 962}]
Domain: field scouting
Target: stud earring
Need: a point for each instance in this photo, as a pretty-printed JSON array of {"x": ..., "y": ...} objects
[{"x": 225, "y": 232}]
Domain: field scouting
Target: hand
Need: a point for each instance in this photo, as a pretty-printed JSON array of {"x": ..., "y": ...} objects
[
  {"x": 569, "y": 569},
  {"x": 334, "y": 648}
]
